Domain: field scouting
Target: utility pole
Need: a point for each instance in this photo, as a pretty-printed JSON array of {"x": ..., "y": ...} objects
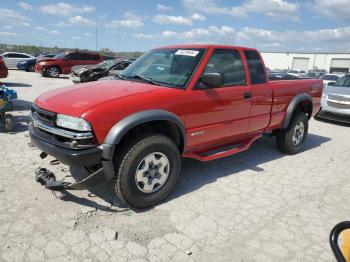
[{"x": 96, "y": 34}]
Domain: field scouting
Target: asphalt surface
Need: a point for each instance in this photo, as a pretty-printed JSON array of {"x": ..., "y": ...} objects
[{"x": 259, "y": 205}]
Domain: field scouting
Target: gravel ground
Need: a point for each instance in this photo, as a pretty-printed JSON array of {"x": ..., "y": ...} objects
[{"x": 259, "y": 205}]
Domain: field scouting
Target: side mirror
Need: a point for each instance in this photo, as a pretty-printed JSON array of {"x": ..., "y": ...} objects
[
  {"x": 331, "y": 83},
  {"x": 212, "y": 80},
  {"x": 340, "y": 241}
]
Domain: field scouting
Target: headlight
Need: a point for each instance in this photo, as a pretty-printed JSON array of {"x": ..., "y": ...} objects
[
  {"x": 42, "y": 63},
  {"x": 324, "y": 95},
  {"x": 74, "y": 123}
]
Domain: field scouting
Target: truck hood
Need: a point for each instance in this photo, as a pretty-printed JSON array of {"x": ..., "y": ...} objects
[{"x": 76, "y": 100}]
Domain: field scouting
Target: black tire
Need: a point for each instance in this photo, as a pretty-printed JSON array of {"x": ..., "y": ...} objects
[
  {"x": 31, "y": 68},
  {"x": 128, "y": 160},
  {"x": 284, "y": 138},
  {"x": 8, "y": 123},
  {"x": 53, "y": 71}
]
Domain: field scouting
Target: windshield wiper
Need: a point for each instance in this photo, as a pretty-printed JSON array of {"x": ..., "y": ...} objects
[{"x": 149, "y": 80}]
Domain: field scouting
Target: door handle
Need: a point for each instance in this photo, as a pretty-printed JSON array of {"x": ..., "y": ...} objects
[{"x": 247, "y": 95}]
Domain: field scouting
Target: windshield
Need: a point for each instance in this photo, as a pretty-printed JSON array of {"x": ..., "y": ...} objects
[
  {"x": 343, "y": 81},
  {"x": 107, "y": 64},
  {"x": 168, "y": 66},
  {"x": 60, "y": 55},
  {"x": 330, "y": 77}
]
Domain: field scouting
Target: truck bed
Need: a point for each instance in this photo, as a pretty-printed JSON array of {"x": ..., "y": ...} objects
[{"x": 284, "y": 91}]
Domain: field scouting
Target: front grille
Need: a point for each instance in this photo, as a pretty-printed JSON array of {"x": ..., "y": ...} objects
[
  {"x": 339, "y": 98},
  {"x": 338, "y": 105},
  {"x": 43, "y": 116},
  {"x": 44, "y": 124}
]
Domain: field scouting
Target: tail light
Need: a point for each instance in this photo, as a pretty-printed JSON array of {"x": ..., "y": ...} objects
[{"x": 1, "y": 58}]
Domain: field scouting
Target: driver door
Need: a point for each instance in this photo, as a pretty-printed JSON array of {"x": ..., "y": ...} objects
[
  {"x": 70, "y": 60},
  {"x": 220, "y": 115}
]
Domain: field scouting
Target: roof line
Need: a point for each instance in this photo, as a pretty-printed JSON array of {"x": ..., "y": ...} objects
[{"x": 305, "y": 52}]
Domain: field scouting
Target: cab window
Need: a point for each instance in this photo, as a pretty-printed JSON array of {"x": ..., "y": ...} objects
[
  {"x": 256, "y": 67},
  {"x": 229, "y": 64}
]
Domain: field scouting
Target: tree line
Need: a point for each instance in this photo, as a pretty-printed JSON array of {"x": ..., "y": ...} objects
[{"x": 37, "y": 50}]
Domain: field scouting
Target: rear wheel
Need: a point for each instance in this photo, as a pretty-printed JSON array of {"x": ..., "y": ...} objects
[
  {"x": 147, "y": 170},
  {"x": 7, "y": 123},
  {"x": 291, "y": 139},
  {"x": 53, "y": 71}
]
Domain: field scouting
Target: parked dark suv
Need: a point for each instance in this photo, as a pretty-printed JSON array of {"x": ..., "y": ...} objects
[{"x": 63, "y": 62}]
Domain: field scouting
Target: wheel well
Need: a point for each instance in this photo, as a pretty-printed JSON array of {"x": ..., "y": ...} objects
[
  {"x": 163, "y": 127},
  {"x": 304, "y": 106}
]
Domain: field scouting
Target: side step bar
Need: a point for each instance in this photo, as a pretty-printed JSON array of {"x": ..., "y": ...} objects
[{"x": 222, "y": 152}]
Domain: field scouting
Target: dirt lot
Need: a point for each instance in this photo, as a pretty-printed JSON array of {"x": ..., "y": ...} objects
[{"x": 259, "y": 205}]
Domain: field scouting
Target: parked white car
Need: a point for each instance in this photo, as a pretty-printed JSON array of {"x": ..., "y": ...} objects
[
  {"x": 328, "y": 78},
  {"x": 294, "y": 72},
  {"x": 335, "y": 102},
  {"x": 13, "y": 58}
]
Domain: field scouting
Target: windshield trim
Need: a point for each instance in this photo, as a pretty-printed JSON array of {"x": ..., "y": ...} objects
[{"x": 205, "y": 51}]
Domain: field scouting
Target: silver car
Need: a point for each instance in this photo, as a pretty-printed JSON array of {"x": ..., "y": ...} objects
[
  {"x": 335, "y": 102},
  {"x": 13, "y": 58}
]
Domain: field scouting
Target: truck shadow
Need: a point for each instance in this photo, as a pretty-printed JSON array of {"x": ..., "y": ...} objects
[
  {"x": 334, "y": 122},
  {"x": 101, "y": 197},
  {"x": 196, "y": 174}
]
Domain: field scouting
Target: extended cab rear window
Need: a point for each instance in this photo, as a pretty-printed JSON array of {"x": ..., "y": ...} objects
[{"x": 256, "y": 67}]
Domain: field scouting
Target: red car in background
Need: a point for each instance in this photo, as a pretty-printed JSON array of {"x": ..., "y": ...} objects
[
  {"x": 63, "y": 62},
  {"x": 3, "y": 68}
]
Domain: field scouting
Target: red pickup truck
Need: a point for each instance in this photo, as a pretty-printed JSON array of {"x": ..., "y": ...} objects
[
  {"x": 63, "y": 62},
  {"x": 197, "y": 101}
]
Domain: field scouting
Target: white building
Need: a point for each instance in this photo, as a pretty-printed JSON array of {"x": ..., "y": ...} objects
[{"x": 332, "y": 62}]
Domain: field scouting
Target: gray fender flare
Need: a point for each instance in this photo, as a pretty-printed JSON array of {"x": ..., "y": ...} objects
[
  {"x": 292, "y": 105},
  {"x": 123, "y": 126}
]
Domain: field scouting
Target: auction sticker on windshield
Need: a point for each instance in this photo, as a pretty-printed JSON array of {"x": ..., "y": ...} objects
[{"x": 187, "y": 52}]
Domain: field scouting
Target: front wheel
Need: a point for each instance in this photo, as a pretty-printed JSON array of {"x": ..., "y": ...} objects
[
  {"x": 291, "y": 139},
  {"x": 53, "y": 71},
  {"x": 147, "y": 170}
]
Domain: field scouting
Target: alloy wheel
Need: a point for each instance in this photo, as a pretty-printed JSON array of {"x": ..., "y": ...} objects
[
  {"x": 298, "y": 133},
  {"x": 152, "y": 172}
]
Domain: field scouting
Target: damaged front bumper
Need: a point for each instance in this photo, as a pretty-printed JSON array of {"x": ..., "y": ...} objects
[{"x": 98, "y": 156}]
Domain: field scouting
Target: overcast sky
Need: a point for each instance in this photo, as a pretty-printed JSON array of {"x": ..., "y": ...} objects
[{"x": 270, "y": 25}]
